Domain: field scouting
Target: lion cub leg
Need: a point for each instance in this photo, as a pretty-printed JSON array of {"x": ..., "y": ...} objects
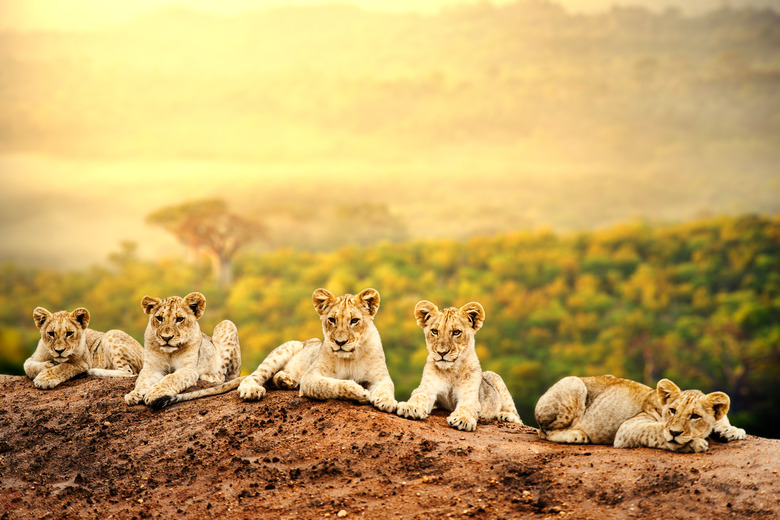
[
  {"x": 317, "y": 386},
  {"x": 252, "y": 387},
  {"x": 422, "y": 400},
  {"x": 558, "y": 410},
  {"x": 146, "y": 379},
  {"x": 225, "y": 339},
  {"x": 56, "y": 375},
  {"x": 496, "y": 401},
  {"x": 726, "y": 432}
]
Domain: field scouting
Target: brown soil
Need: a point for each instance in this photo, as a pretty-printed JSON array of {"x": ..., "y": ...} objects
[{"x": 79, "y": 452}]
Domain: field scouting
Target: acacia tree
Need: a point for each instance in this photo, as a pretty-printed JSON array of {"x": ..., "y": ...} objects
[{"x": 207, "y": 226}]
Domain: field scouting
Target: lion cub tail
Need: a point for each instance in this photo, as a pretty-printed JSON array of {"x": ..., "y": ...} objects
[{"x": 221, "y": 388}]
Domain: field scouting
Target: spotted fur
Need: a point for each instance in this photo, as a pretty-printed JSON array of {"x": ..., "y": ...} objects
[
  {"x": 348, "y": 363},
  {"x": 68, "y": 348},
  {"x": 452, "y": 378},
  {"x": 177, "y": 353},
  {"x": 627, "y": 414}
]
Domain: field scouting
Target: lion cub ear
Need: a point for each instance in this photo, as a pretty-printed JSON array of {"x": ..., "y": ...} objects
[
  {"x": 148, "y": 304},
  {"x": 41, "y": 316},
  {"x": 423, "y": 312},
  {"x": 81, "y": 316},
  {"x": 370, "y": 298},
  {"x": 667, "y": 391},
  {"x": 719, "y": 403},
  {"x": 322, "y": 300},
  {"x": 197, "y": 303},
  {"x": 475, "y": 314}
]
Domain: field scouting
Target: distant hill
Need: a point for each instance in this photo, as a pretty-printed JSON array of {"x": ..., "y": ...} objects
[{"x": 542, "y": 117}]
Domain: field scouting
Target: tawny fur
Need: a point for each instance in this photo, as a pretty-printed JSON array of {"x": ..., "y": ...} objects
[
  {"x": 177, "y": 353},
  {"x": 68, "y": 348},
  {"x": 627, "y": 414},
  {"x": 452, "y": 378},
  {"x": 348, "y": 363}
]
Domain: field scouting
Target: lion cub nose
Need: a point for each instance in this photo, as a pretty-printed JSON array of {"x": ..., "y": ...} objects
[
  {"x": 442, "y": 351},
  {"x": 166, "y": 337},
  {"x": 675, "y": 433},
  {"x": 59, "y": 350},
  {"x": 340, "y": 343}
]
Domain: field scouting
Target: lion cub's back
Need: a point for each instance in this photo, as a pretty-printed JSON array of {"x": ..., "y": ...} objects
[{"x": 610, "y": 402}]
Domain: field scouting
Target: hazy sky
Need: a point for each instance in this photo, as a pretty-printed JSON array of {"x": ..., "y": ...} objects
[{"x": 88, "y": 14}]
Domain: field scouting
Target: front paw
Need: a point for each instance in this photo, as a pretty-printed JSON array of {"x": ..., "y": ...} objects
[
  {"x": 509, "y": 417},
  {"x": 133, "y": 398},
  {"x": 462, "y": 420},
  {"x": 384, "y": 402},
  {"x": 45, "y": 381},
  {"x": 733, "y": 434},
  {"x": 692, "y": 446},
  {"x": 410, "y": 411},
  {"x": 249, "y": 390},
  {"x": 156, "y": 397},
  {"x": 283, "y": 381}
]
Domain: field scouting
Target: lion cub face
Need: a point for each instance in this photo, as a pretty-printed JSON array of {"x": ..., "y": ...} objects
[
  {"x": 61, "y": 332},
  {"x": 690, "y": 414},
  {"x": 173, "y": 321},
  {"x": 346, "y": 319},
  {"x": 449, "y": 332}
]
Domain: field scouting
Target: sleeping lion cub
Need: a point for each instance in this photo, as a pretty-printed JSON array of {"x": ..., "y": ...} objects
[
  {"x": 68, "y": 348},
  {"x": 610, "y": 410},
  {"x": 177, "y": 353},
  {"x": 348, "y": 363},
  {"x": 452, "y": 377}
]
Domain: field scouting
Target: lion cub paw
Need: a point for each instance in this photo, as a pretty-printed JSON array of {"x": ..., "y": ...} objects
[
  {"x": 509, "y": 417},
  {"x": 733, "y": 434},
  {"x": 410, "y": 411},
  {"x": 698, "y": 445},
  {"x": 462, "y": 421},
  {"x": 133, "y": 398},
  {"x": 384, "y": 403},
  {"x": 249, "y": 390},
  {"x": 45, "y": 381},
  {"x": 283, "y": 381},
  {"x": 155, "y": 398}
]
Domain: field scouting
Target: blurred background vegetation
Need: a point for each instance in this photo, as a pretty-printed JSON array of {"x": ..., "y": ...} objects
[{"x": 604, "y": 183}]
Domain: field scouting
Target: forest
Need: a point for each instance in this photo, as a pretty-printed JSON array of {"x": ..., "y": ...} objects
[{"x": 697, "y": 302}]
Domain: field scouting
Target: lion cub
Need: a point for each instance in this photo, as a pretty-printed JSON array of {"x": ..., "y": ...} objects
[
  {"x": 68, "y": 348},
  {"x": 452, "y": 377},
  {"x": 610, "y": 410},
  {"x": 177, "y": 353},
  {"x": 348, "y": 363}
]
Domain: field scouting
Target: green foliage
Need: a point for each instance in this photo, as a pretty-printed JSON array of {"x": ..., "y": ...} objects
[{"x": 697, "y": 302}]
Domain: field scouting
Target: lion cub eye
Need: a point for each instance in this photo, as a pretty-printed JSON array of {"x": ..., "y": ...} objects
[
  {"x": 456, "y": 333},
  {"x": 672, "y": 411},
  {"x": 332, "y": 321},
  {"x": 179, "y": 319},
  {"x": 51, "y": 334},
  {"x": 69, "y": 334},
  {"x": 353, "y": 321},
  {"x": 434, "y": 332},
  {"x": 159, "y": 318},
  {"x": 695, "y": 416}
]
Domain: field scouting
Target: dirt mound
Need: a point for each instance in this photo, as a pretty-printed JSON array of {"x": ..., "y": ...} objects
[{"x": 79, "y": 452}]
